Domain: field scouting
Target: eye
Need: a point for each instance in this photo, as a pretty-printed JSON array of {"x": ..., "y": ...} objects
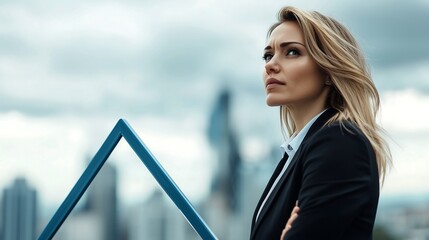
[
  {"x": 292, "y": 52},
  {"x": 267, "y": 56}
]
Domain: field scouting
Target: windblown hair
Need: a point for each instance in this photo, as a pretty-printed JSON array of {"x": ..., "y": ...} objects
[{"x": 353, "y": 93}]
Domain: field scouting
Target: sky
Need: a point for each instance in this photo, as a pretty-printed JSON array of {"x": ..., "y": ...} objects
[{"x": 70, "y": 69}]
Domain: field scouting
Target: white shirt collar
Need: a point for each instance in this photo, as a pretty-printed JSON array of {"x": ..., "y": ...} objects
[{"x": 292, "y": 144}]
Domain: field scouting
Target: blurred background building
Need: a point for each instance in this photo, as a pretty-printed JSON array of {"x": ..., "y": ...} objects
[{"x": 19, "y": 211}]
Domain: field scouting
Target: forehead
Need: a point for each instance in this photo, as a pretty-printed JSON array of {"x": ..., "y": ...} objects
[{"x": 288, "y": 31}]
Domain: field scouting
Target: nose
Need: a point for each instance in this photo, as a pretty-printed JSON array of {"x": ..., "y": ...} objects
[{"x": 272, "y": 67}]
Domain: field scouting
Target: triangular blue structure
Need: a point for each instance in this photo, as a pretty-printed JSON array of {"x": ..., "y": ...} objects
[{"x": 123, "y": 129}]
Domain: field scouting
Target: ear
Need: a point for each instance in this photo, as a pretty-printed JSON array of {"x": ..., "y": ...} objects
[{"x": 328, "y": 80}]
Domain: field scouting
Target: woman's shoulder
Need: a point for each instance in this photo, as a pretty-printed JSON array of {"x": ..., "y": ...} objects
[
  {"x": 337, "y": 141},
  {"x": 340, "y": 128},
  {"x": 340, "y": 132}
]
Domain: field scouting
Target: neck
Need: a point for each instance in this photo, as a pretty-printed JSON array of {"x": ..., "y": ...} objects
[{"x": 303, "y": 114}]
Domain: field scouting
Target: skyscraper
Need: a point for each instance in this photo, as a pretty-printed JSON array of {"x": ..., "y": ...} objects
[
  {"x": 225, "y": 143},
  {"x": 222, "y": 207},
  {"x": 102, "y": 200},
  {"x": 19, "y": 211}
]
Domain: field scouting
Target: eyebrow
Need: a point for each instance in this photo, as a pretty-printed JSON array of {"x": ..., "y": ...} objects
[{"x": 283, "y": 45}]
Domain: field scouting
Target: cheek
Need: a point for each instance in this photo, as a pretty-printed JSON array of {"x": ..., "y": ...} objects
[{"x": 307, "y": 78}]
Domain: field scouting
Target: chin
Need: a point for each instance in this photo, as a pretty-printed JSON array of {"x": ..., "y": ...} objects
[{"x": 274, "y": 102}]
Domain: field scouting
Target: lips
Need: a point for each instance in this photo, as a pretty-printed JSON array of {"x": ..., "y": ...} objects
[{"x": 272, "y": 82}]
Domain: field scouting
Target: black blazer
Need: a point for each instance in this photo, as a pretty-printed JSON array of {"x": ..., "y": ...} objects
[{"x": 334, "y": 177}]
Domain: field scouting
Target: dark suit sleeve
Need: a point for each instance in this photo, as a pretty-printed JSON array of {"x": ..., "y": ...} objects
[{"x": 336, "y": 180}]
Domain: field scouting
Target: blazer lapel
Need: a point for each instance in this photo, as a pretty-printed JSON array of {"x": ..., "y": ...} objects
[
  {"x": 268, "y": 187},
  {"x": 313, "y": 129},
  {"x": 271, "y": 197}
]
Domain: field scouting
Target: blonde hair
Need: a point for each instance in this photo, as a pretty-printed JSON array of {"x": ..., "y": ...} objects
[{"x": 353, "y": 93}]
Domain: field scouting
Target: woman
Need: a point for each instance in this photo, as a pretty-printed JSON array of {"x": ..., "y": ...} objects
[{"x": 335, "y": 157}]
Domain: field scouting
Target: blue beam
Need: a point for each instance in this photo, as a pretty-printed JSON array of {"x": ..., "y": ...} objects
[{"x": 123, "y": 129}]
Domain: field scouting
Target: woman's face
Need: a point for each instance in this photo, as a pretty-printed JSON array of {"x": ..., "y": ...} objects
[{"x": 291, "y": 75}]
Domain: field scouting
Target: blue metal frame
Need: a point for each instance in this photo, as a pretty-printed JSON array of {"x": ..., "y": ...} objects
[{"x": 123, "y": 129}]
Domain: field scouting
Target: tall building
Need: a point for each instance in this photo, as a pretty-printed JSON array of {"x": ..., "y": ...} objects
[
  {"x": 225, "y": 144},
  {"x": 222, "y": 208},
  {"x": 102, "y": 201},
  {"x": 19, "y": 211}
]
